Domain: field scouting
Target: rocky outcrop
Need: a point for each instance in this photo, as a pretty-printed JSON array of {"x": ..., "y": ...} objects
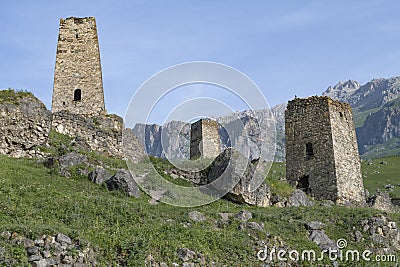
[
  {"x": 379, "y": 127},
  {"x": 24, "y": 124},
  {"x": 229, "y": 165},
  {"x": 101, "y": 133}
]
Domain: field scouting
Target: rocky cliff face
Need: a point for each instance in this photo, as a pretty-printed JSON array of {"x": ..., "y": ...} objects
[
  {"x": 380, "y": 127},
  {"x": 375, "y": 107},
  {"x": 158, "y": 142},
  {"x": 24, "y": 124},
  {"x": 150, "y": 136},
  {"x": 375, "y": 94}
]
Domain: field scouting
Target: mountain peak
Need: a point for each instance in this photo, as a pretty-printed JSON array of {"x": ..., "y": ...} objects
[
  {"x": 344, "y": 85},
  {"x": 342, "y": 90}
]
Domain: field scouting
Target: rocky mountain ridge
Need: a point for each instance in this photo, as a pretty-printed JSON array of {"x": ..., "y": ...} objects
[{"x": 371, "y": 107}]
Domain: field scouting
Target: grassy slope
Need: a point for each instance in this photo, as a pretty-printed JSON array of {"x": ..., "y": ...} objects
[
  {"x": 34, "y": 201},
  {"x": 377, "y": 175}
]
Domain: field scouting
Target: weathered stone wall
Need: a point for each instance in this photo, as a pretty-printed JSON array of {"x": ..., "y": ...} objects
[
  {"x": 24, "y": 124},
  {"x": 321, "y": 149},
  {"x": 78, "y": 67},
  {"x": 204, "y": 139},
  {"x": 102, "y": 133},
  {"x": 347, "y": 162}
]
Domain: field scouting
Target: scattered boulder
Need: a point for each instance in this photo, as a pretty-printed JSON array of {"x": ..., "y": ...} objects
[
  {"x": 99, "y": 175},
  {"x": 61, "y": 238},
  {"x": 322, "y": 240},
  {"x": 190, "y": 258},
  {"x": 382, "y": 201},
  {"x": 123, "y": 181},
  {"x": 244, "y": 215},
  {"x": 251, "y": 225},
  {"x": 318, "y": 236},
  {"x": 299, "y": 198},
  {"x": 186, "y": 254},
  {"x": 358, "y": 236},
  {"x": 69, "y": 161},
  {"x": 197, "y": 216},
  {"x": 230, "y": 166},
  {"x": 315, "y": 225},
  {"x": 225, "y": 216},
  {"x": 278, "y": 201}
]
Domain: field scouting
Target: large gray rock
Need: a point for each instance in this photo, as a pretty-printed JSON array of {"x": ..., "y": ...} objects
[
  {"x": 99, "y": 175},
  {"x": 244, "y": 215},
  {"x": 124, "y": 182},
  {"x": 299, "y": 198},
  {"x": 318, "y": 236},
  {"x": 24, "y": 124},
  {"x": 71, "y": 160},
  {"x": 382, "y": 201},
  {"x": 197, "y": 216},
  {"x": 322, "y": 240},
  {"x": 239, "y": 169}
]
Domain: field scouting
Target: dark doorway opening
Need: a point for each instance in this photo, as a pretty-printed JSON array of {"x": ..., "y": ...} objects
[
  {"x": 303, "y": 183},
  {"x": 309, "y": 151},
  {"x": 77, "y": 95}
]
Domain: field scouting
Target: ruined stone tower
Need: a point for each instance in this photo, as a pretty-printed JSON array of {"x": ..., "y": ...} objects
[
  {"x": 321, "y": 149},
  {"x": 78, "y": 86},
  {"x": 204, "y": 139}
]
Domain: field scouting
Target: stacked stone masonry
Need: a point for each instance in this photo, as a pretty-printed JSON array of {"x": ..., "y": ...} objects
[
  {"x": 101, "y": 133},
  {"x": 204, "y": 139},
  {"x": 321, "y": 150},
  {"x": 78, "y": 86}
]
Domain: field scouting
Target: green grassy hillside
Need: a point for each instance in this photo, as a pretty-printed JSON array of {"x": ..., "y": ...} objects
[
  {"x": 35, "y": 201},
  {"x": 377, "y": 175}
]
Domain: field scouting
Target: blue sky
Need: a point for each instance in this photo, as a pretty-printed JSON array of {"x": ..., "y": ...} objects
[{"x": 286, "y": 47}]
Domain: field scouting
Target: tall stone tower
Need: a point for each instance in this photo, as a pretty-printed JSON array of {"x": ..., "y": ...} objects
[
  {"x": 78, "y": 85},
  {"x": 321, "y": 149},
  {"x": 204, "y": 139}
]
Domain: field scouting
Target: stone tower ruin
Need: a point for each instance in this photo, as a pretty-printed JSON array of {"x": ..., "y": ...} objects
[
  {"x": 204, "y": 139},
  {"x": 78, "y": 85},
  {"x": 321, "y": 150}
]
